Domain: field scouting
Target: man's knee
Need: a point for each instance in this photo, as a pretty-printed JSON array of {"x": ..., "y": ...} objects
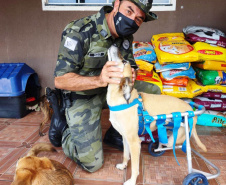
[
  {"x": 94, "y": 166},
  {"x": 90, "y": 158}
]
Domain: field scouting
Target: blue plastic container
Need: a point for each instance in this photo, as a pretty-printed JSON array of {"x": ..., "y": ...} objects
[{"x": 17, "y": 82}]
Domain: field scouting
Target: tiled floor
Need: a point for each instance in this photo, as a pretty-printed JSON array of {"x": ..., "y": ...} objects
[{"x": 18, "y": 135}]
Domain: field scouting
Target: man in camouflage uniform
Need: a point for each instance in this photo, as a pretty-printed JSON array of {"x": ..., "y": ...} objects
[{"x": 83, "y": 72}]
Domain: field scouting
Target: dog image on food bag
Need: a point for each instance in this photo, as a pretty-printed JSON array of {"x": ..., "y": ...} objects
[
  {"x": 125, "y": 120},
  {"x": 33, "y": 170}
]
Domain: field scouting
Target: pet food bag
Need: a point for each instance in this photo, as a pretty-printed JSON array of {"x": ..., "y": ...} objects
[
  {"x": 144, "y": 51},
  {"x": 192, "y": 90},
  {"x": 211, "y": 65},
  {"x": 149, "y": 77},
  {"x": 167, "y": 67},
  {"x": 215, "y": 95},
  {"x": 167, "y": 37},
  {"x": 216, "y": 88},
  {"x": 173, "y": 48},
  {"x": 210, "y": 52},
  {"x": 144, "y": 65},
  {"x": 205, "y": 34},
  {"x": 212, "y": 118},
  {"x": 211, "y": 104},
  {"x": 181, "y": 82},
  {"x": 175, "y": 73},
  {"x": 210, "y": 77}
]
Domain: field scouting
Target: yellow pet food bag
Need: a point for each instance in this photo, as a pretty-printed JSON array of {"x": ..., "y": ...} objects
[
  {"x": 143, "y": 65},
  {"x": 149, "y": 77},
  {"x": 167, "y": 37},
  {"x": 210, "y": 52},
  {"x": 190, "y": 91},
  {"x": 216, "y": 88},
  {"x": 211, "y": 65},
  {"x": 171, "y": 49}
]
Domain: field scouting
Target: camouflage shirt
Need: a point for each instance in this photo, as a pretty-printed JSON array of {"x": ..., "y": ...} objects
[{"x": 84, "y": 45}]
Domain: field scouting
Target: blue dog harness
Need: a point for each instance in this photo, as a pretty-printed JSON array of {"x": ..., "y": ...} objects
[{"x": 145, "y": 120}]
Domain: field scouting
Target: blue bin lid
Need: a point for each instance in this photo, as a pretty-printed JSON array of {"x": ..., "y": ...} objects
[{"x": 13, "y": 78}]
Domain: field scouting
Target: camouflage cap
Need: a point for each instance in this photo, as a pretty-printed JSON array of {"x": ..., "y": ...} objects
[{"x": 145, "y": 6}]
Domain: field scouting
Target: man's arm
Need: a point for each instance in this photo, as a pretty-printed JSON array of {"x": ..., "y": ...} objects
[{"x": 74, "y": 82}]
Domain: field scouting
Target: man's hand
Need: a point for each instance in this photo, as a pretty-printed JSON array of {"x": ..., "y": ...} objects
[{"x": 110, "y": 74}]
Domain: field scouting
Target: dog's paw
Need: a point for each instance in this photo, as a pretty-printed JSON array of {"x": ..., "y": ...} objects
[
  {"x": 121, "y": 166},
  {"x": 129, "y": 182}
]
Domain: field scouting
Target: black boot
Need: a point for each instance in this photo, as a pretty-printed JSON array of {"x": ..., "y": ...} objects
[
  {"x": 113, "y": 138},
  {"x": 58, "y": 121}
]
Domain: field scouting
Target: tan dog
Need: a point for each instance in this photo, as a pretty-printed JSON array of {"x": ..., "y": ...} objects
[
  {"x": 126, "y": 121},
  {"x": 33, "y": 170}
]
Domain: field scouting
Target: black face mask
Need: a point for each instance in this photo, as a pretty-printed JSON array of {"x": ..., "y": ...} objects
[{"x": 124, "y": 26}]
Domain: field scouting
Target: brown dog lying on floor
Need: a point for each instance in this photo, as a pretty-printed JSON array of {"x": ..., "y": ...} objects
[
  {"x": 33, "y": 170},
  {"x": 126, "y": 121}
]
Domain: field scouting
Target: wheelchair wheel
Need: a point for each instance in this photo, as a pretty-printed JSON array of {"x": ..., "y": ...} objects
[
  {"x": 195, "y": 179},
  {"x": 152, "y": 146}
]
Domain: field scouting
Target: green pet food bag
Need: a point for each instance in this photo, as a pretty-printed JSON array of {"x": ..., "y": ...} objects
[{"x": 210, "y": 77}]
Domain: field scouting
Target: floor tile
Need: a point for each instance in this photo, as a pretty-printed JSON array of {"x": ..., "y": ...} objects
[
  {"x": 164, "y": 170},
  {"x": 32, "y": 117},
  {"x": 17, "y": 136},
  {"x": 16, "y": 133},
  {"x": 213, "y": 143},
  {"x": 107, "y": 173}
]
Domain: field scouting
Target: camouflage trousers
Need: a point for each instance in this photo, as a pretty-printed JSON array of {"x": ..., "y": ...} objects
[{"x": 82, "y": 141}]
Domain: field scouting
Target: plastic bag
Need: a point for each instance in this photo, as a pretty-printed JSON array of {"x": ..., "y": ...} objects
[
  {"x": 210, "y": 77},
  {"x": 192, "y": 90},
  {"x": 167, "y": 37},
  {"x": 212, "y": 118},
  {"x": 211, "y": 104},
  {"x": 167, "y": 67},
  {"x": 211, "y": 65},
  {"x": 215, "y": 95},
  {"x": 210, "y": 52},
  {"x": 149, "y": 77},
  {"x": 173, "y": 48},
  {"x": 175, "y": 73},
  {"x": 205, "y": 34},
  {"x": 143, "y": 65},
  {"x": 180, "y": 82},
  {"x": 216, "y": 88},
  {"x": 144, "y": 51}
]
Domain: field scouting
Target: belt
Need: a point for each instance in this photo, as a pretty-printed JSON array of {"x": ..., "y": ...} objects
[{"x": 75, "y": 96}]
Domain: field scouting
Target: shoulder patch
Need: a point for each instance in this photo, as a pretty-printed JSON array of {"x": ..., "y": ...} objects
[{"x": 70, "y": 43}]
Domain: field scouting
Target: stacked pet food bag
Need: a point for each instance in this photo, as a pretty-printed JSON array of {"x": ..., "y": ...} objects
[
  {"x": 210, "y": 45},
  {"x": 190, "y": 65}
]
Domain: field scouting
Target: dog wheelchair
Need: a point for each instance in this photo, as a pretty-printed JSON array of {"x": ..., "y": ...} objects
[{"x": 175, "y": 121}]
